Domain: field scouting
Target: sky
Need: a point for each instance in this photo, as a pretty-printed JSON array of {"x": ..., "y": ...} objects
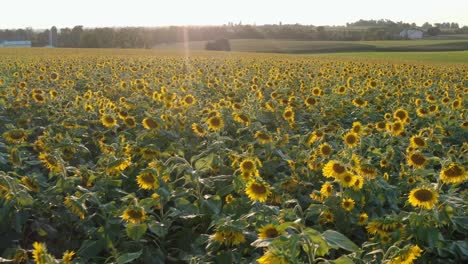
[{"x": 41, "y": 14}]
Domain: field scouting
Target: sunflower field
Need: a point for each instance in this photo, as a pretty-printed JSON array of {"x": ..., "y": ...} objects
[{"x": 142, "y": 157}]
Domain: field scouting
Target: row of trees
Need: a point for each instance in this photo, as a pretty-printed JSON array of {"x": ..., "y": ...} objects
[{"x": 143, "y": 37}]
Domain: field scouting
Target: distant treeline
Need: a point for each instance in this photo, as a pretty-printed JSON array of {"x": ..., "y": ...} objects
[{"x": 145, "y": 37}]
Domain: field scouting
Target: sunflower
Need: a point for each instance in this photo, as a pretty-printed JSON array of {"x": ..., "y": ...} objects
[
  {"x": 407, "y": 256},
  {"x": 367, "y": 171},
  {"x": 215, "y": 123},
  {"x": 363, "y": 219},
  {"x": 315, "y": 136},
  {"x": 67, "y": 257},
  {"x": 316, "y": 91},
  {"x": 423, "y": 197},
  {"x": 75, "y": 206},
  {"x": 288, "y": 114},
  {"x": 40, "y": 254},
  {"x": 454, "y": 173},
  {"x": 134, "y": 215},
  {"x": 197, "y": 129},
  {"x": 271, "y": 258},
  {"x": 257, "y": 190},
  {"x": 148, "y": 180},
  {"x": 54, "y": 76},
  {"x": 248, "y": 166},
  {"x": 149, "y": 123},
  {"x": 15, "y": 136},
  {"x": 310, "y": 101},
  {"x": 189, "y": 100},
  {"x": 358, "y": 183},
  {"x": 229, "y": 198},
  {"x": 396, "y": 128},
  {"x": 417, "y": 142},
  {"x": 31, "y": 184},
  {"x": 334, "y": 169},
  {"x": 242, "y": 118},
  {"x": 416, "y": 159},
  {"x": 130, "y": 121},
  {"x": 263, "y": 137},
  {"x": 50, "y": 162},
  {"x": 108, "y": 121},
  {"x": 357, "y": 127},
  {"x": 351, "y": 139},
  {"x": 327, "y": 217},
  {"x": 325, "y": 149},
  {"x": 327, "y": 189},
  {"x": 401, "y": 114},
  {"x": 359, "y": 102},
  {"x": 229, "y": 237},
  {"x": 381, "y": 125},
  {"x": 269, "y": 231},
  {"x": 347, "y": 179},
  {"x": 347, "y": 204},
  {"x": 38, "y": 98}
]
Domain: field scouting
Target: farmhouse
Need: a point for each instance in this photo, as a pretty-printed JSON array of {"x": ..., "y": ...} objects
[
  {"x": 411, "y": 34},
  {"x": 16, "y": 44}
]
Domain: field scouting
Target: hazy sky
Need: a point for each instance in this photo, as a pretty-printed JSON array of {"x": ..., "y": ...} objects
[{"x": 98, "y": 13}]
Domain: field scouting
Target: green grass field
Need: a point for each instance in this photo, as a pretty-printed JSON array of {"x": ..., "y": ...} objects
[{"x": 304, "y": 47}]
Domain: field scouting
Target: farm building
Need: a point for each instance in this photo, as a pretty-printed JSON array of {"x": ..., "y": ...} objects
[
  {"x": 16, "y": 44},
  {"x": 411, "y": 34}
]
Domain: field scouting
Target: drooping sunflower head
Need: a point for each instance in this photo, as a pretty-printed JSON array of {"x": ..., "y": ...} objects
[
  {"x": 242, "y": 118},
  {"x": 454, "y": 173},
  {"x": 407, "y": 255},
  {"x": 272, "y": 257},
  {"x": 367, "y": 170},
  {"x": 134, "y": 215},
  {"x": 229, "y": 237},
  {"x": 198, "y": 129},
  {"x": 263, "y": 137},
  {"x": 50, "y": 161},
  {"x": 15, "y": 136},
  {"x": 423, "y": 197}
]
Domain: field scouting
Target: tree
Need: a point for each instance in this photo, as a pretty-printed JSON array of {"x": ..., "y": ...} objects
[
  {"x": 76, "y": 35},
  {"x": 433, "y": 31}
]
